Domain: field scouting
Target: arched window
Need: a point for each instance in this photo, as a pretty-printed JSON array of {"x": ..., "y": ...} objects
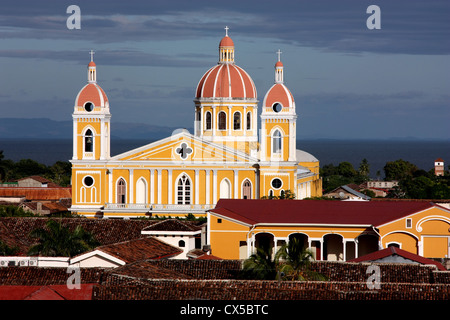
[
  {"x": 225, "y": 189},
  {"x": 276, "y": 142},
  {"x": 247, "y": 189},
  {"x": 88, "y": 141},
  {"x": 184, "y": 190},
  {"x": 208, "y": 121},
  {"x": 121, "y": 191},
  {"x": 181, "y": 244},
  {"x": 222, "y": 120},
  {"x": 249, "y": 120},
  {"x": 237, "y": 121},
  {"x": 141, "y": 191}
]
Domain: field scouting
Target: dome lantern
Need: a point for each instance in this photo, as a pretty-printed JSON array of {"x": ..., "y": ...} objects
[
  {"x": 226, "y": 49},
  {"x": 92, "y": 69}
]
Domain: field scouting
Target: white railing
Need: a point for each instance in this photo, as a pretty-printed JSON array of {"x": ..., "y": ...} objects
[{"x": 158, "y": 207}]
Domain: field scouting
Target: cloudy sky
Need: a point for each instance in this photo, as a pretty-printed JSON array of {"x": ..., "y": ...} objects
[{"x": 348, "y": 81}]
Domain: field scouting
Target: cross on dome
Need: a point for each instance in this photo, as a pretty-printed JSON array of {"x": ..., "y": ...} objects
[
  {"x": 92, "y": 55},
  {"x": 279, "y": 54},
  {"x": 226, "y": 31}
]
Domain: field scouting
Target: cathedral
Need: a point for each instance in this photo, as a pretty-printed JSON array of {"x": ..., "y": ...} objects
[{"x": 227, "y": 156}]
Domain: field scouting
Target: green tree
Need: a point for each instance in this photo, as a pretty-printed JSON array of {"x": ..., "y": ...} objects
[
  {"x": 291, "y": 262},
  {"x": 364, "y": 169},
  {"x": 58, "y": 240},
  {"x": 294, "y": 262},
  {"x": 6, "y": 250},
  {"x": 346, "y": 169},
  {"x": 399, "y": 169},
  {"x": 60, "y": 173},
  {"x": 260, "y": 265}
]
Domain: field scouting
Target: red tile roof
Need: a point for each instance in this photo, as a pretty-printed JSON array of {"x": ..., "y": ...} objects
[
  {"x": 52, "y": 292},
  {"x": 316, "y": 211},
  {"x": 140, "y": 249},
  {"x": 391, "y": 251},
  {"x": 36, "y": 193},
  {"x": 173, "y": 225}
]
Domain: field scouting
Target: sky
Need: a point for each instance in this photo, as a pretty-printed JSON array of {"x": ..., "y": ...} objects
[{"x": 349, "y": 81}]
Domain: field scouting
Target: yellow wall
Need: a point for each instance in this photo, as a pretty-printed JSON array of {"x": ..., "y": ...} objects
[{"x": 426, "y": 226}]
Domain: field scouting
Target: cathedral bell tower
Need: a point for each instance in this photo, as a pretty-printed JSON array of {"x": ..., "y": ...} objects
[
  {"x": 278, "y": 121},
  {"x": 91, "y": 120}
]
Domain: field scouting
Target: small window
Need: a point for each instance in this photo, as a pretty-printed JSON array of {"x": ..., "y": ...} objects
[
  {"x": 88, "y": 106},
  {"x": 277, "y": 107},
  {"x": 208, "y": 123},
  {"x": 219, "y": 220},
  {"x": 276, "y": 142},
  {"x": 222, "y": 120},
  {"x": 249, "y": 120},
  {"x": 88, "y": 141},
  {"x": 181, "y": 244},
  {"x": 276, "y": 183},
  {"x": 408, "y": 223},
  {"x": 88, "y": 181},
  {"x": 237, "y": 121}
]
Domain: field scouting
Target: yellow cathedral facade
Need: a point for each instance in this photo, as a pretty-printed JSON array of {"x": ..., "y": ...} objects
[{"x": 227, "y": 156}]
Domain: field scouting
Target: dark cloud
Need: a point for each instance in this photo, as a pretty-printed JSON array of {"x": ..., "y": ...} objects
[
  {"x": 412, "y": 27},
  {"x": 106, "y": 57}
]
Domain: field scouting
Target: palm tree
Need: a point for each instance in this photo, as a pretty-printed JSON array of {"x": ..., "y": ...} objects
[
  {"x": 260, "y": 265},
  {"x": 57, "y": 240},
  {"x": 294, "y": 262},
  {"x": 291, "y": 262}
]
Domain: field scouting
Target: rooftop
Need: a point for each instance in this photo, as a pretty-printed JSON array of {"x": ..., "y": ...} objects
[{"x": 366, "y": 213}]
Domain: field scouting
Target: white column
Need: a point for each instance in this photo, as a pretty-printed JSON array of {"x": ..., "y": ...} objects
[
  {"x": 169, "y": 186},
  {"x": 197, "y": 186},
  {"x": 152, "y": 187},
  {"x": 110, "y": 186},
  {"x": 344, "y": 249},
  {"x": 230, "y": 120},
  {"x": 75, "y": 140},
  {"x": 263, "y": 141},
  {"x": 214, "y": 122},
  {"x": 291, "y": 140},
  {"x": 102, "y": 139},
  {"x": 159, "y": 185},
  {"x": 208, "y": 187},
  {"x": 214, "y": 186},
  {"x": 131, "y": 200},
  {"x": 236, "y": 184},
  {"x": 321, "y": 249}
]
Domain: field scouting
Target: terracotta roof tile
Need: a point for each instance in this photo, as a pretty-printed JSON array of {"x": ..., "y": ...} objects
[
  {"x": 392, "y": 251},
  {"x": 141, "y": 249},
  {"x": 15, "y": 231},
  {"x": 173, "y": 225},
  {"x": 37, "y": 193}
]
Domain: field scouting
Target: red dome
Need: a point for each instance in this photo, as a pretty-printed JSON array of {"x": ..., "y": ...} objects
[
  {"x": 279, "y": 64},
  {"x": 226, "y": 42},
  {"x": 279, "y": 93},
  {"x": 226, "y": 80},
  {"x": 93, "y": 93}
]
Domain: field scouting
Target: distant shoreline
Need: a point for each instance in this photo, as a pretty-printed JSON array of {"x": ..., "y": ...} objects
[{"x": 422, "y": 153}]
